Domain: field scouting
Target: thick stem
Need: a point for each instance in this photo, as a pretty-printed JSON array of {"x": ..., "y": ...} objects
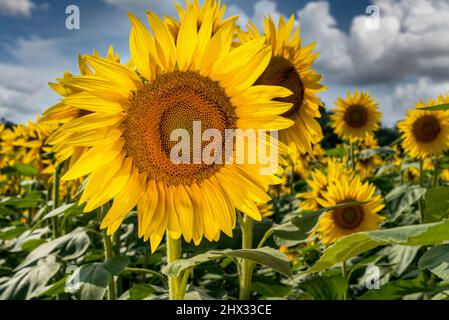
[
  {"x": 352, "y": 156},
  {"x": 173, "y": 254},
  {"x": 246, "y": 266},
  {"x": 421, "y": 184},
  {"x": 54, "y": 220},
  {"x": 344, "y": 274},
  {"x": 108, "y": 252}
]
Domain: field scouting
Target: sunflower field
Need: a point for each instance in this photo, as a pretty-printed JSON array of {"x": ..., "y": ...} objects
[{"x": 92, "y": 206}]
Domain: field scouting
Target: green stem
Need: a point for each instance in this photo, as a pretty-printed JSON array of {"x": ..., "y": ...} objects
[
  {"x": 148, "y": 271},
  {"x": 265, "y": 238},
  {"x": 173, "y": 254},
  {"x": 54, "y": 220},
  {"x": 246, "y": 266},
  {"x": 435, "y": 172},
  {"x": 344, "y": 274},
  {"x": 421, "y": 184},
  {"x": 108, "y": 254},
  {"x": 352, "y": 155},
  {"x": 183, "y": 284}
]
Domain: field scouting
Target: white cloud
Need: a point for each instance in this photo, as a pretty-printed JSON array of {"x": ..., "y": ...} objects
[{"x": 16, "y": 7}]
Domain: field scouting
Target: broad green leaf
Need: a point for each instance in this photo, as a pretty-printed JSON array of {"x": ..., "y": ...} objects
[
  {"x": 444, "y": 106},
  {"x": 325, "y": 287},
  {"x": 397, "y": 289},
  {"x": 28, "y": 235},
  {"x": 399, "y": 257},
  {"x": 141, "y": 291},
  {"x": 31, "y": 200},
  {"x": 436, "y": 260},
  {"x": 54, "y": 289},
  {"x": 12, "y": 232},
  {"x": 29, "y": 282},
  {"x": 62, "y": 210},
  {"x": 437, "y": 204},
  {"x": 90, "y": 281},
  {"x": 358, "y": 243},
  {"x": 271, "y": 290},
  {"x": 368, "y": 153},
  {"x": 265, "y": 256},
  {"x": 116, "y": 265},
  {"x": 68, "y": 247},
  {"x": 402, "y": 198},
  {"x": 25, "y": 169}
]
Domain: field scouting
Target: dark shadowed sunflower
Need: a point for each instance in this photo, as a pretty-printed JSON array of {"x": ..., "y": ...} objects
[
  {"x": 426, "y": 132},
  {"x": 356, "y": 116},
  {"x": 290, "y": 67}
]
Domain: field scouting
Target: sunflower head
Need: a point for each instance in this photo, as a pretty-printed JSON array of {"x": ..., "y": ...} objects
[
  {"x": 426, "y": 132},
  {"x": 291, "y": 67},
  {"x": 360, "y": 216},
  {"x": 355, "y": 117},
  {"x": 177, "y": 82}
]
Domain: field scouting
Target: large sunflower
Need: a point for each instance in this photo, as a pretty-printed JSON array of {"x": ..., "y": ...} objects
[
  {"x": 290, "y": 67},
  {"x": 426, "y": 132},
  {"x": 337, "y": 223},
  {"x": 356, "y": 117},
  {"x": 68, "y": 110},
  {"x": 132, "y": 115}
]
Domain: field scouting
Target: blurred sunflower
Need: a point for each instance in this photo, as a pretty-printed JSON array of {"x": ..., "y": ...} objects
[
  {"x": 319, "y": 181},
  {"x": 128, "y": 129},
  {"x": 426, "y": 132},
  {"x": 290, "y": 67},
  {"x": 356, "y": 117},
  {"x": 337, "y": 223},
  {"x": 366, "y": 166}
]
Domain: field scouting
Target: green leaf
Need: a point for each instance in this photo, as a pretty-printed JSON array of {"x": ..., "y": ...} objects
[
  {"x": 436, "y": 260},
  {"x": 25, "y": 169},
  {"x": 116, "y": 265},
  {"x": 336, "y": 152},
  {"x": 355, "y": 244},
  {"x": 89, "y": 280},
  {"x": 325, "y": 287},
  {"x": 31, "y": 200},
  {"x": 65, "y": 209},
  {"x": 368, "y": 153},
  {"x": 12, "y": 232},
  {"x": 29, "y": 282},
  {"x": 402, "y": 198},
  {"x": 265, "y": 256},
  {"x": 397, "y": 289},
  {"x": 141, "y": 291},
  {"x": 436, "y": 204},
  {"x": 444, "y": 106},
  {"x": 400, "y": 257},
  {"x": 68, "y": 247},
  {"x": 54, "y": 289},
  {"x": 271, "y": 290}
]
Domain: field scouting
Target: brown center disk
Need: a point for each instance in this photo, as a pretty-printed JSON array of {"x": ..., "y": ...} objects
[
  {"x": 426, "y": 128},
  {"x": 348, "y": 217},
  {"x": 174, "y": 101},
  {"x": 281, "y": 72},
  {"x": 356, "y": 116}
]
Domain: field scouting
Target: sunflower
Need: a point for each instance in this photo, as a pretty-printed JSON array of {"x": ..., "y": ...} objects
[
  {"x": 68, "y": 110},
  {"x": 290, "y": 67},
  {"x": 426, "y": 132},
  {"x": 366, "y": 166},
  {"x": 132, "y": 115},
  {"x": 319, "y": 181},
  {"x": 337, "y": 223},
  {"x": 211, "y": 9},
  {"x": 356, "y": 117}
]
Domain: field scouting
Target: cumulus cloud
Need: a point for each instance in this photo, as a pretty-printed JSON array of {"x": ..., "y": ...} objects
[{"x": 16, "y": 7}]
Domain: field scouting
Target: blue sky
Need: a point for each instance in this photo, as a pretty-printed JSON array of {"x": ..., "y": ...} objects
[{"x": 404, "y": 60}]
